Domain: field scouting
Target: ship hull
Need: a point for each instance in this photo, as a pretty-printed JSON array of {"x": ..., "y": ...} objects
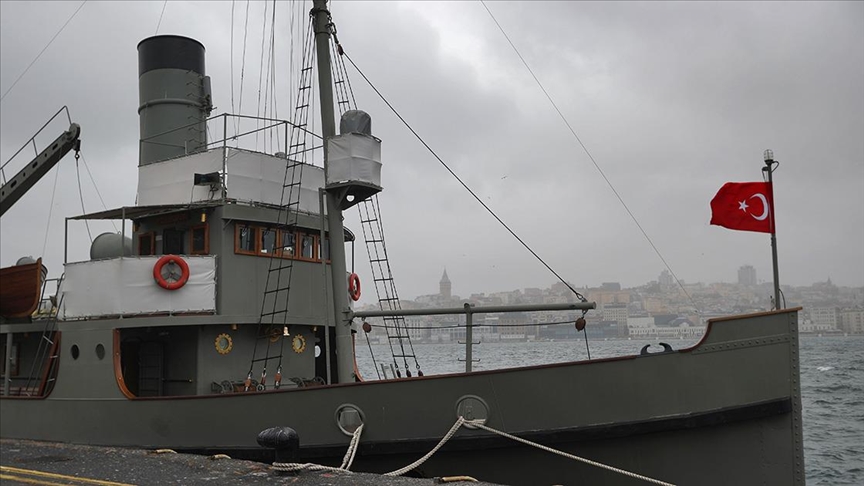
[{"x": 726, "y": 411}]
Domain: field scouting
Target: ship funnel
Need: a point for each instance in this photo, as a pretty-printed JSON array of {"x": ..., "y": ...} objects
[{"x": 174, "y": 96}]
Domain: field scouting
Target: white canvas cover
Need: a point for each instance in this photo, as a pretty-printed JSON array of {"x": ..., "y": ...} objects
[
  {"x": 257, "y": 177},
  {"x": 354, "y": 157},
  {"x": 251, "y": 177},
  {"x": 172, "y": 181},
  {"x": 125, "y": 286}
]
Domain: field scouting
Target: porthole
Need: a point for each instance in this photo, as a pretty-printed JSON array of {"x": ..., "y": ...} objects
[
  {"x": 317, "y": 350},
  {"x": 100, "y": 351},
  {"x": 75, "y": 351},
  {"x": 348, "y": 418}
]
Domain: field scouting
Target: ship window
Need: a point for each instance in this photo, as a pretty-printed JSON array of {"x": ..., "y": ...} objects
[
  {"x": 268, "y": 241},
  {"x": 146, "y": 243},
  {"x": 245, "y": 239},
  {"x": 172, "y": 242},
  {"x": 307, "y": 246},
  {"x": 324, "y": 249},
  {"x": 75, "y": 351},
  {"x": 288, "y": 244},
  {"x": 200, "y": 240}
]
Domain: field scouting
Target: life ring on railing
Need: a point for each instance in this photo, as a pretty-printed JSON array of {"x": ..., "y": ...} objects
[
  {"x": 179, "y": 281},
  {"x": 354, "y": 287}
]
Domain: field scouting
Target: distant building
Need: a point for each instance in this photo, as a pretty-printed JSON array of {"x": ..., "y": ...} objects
[
  {"x": 444, "y": 286},
  {"x": 665, "y": 279},
  {"x": 615, "y": 313},
  {"x": 747, "y": 276},
  {"x": 824, "y": 318},
  {"x": 610, "y": 286},
  {"x": 852, "y": 320}
]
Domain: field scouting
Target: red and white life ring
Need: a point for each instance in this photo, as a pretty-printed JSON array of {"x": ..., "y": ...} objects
[
  {"x": 354, "y": 287},
  {"x": 165, "y": 260}
]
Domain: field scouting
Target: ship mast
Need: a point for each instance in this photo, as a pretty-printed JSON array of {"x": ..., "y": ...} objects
[{"x": 344, "y": 343}]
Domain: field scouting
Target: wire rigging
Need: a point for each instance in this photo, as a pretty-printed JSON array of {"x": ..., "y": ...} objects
[
  {"x": 232, "y": 62},
  {"x": 160, "y": 17},
  {"x": 42, "y": 51},
  {"x": 50, "y": 210},
  {"x": 242, "y": 70},
  {"x": 470, "y": 191},
  {"x": 81, "y": 197},
  {"x": 591, "y": 157},
  {"x": 260, "y": 76},
  {"x": 98, "y": 193}
]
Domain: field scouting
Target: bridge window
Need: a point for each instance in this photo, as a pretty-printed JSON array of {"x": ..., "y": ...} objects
[
  {"x": 245, "y": 238},
  {"x": 288, "y": 243},
  {"x": 172, "y": 242},
  {"x": 324, "y": 249},
  {"x": 307, "y": 246},
  {"x": 252, "y": 239},
  {"x": 146, "y": 244},
  {"x": 268, "y": 241},
  {"x": 200, "y": 240}
]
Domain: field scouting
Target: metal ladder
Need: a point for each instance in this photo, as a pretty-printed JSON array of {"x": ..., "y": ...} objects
[
  {"x": 398, "y": 335},
  {"x": 280, "y": 271}
]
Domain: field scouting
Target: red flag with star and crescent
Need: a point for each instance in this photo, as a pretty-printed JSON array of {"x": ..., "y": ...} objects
[{"x": 744, "y": 206}]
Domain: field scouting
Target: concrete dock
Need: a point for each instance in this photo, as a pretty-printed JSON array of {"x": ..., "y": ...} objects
[{"x": 50, "y": 463}]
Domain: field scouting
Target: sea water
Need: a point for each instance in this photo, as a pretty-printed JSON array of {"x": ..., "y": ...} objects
[{"x": 832, "y": 387}]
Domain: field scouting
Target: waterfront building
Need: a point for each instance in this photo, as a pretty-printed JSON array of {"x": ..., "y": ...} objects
[{"x": 747, "y": 276}]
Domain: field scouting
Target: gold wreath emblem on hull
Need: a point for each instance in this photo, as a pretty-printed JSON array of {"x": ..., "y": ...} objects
[
  {"x": 224, "y": 344},
  {"x": 298, "y": 343}
]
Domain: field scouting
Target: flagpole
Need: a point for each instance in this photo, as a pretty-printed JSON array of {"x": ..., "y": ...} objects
[{"x": 769, "y": 169}]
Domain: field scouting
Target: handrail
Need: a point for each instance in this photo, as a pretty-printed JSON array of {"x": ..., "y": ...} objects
[
  {"x": 33, "y": 138},
  {"x": 470, "y": 309}
]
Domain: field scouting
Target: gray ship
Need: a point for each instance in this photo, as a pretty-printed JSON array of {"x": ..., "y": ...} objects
[{"x": 227, "y": 311}]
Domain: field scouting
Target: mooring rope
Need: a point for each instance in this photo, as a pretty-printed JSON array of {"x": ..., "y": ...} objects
[{"x": 355, "y": 441}]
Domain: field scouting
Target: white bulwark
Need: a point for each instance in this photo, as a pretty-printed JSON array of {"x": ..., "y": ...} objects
[
  {"x": 250, "y": 177},
  {"x": 125, "y": 286}
]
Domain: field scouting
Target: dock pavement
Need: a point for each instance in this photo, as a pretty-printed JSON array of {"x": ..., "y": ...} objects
[{"x": 49, "y": 463}]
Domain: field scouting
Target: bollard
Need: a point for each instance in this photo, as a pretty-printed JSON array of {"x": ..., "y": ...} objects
[{"x": 283, "y": 440}]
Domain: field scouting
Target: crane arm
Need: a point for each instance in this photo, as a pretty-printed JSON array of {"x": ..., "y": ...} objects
[{"x": 27, "y": 177}]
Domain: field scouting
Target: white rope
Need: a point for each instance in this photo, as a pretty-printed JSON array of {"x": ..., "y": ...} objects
[
  {"x": 355, "y": 441},
  {"x": 346, "y": 461},
  {"x": 570, "y": 456},
  {"x": 459, "y": 422},
  {"x": 352, "y": 449}
]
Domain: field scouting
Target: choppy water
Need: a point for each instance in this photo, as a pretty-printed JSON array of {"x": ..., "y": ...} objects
[{"x": 832, "y": 389}]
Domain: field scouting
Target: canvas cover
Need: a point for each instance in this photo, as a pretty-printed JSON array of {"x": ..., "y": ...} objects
[
  {"x": 251, "y": 177},
  {"x": 354, "y": 157},
  {"x": 125, "y": 286}
]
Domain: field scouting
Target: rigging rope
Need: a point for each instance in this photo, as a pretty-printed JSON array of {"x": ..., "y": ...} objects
[
  {"x": 593, "y": 161},
  {"x": 261, "y": 77},
  {"x": 232, "y": 62},
  {"x": 42, "y": 51},
  {"x": 242, "y": 70},
  {"x": 470, "y": 191},
  {"x": 160, "y": 17},
  {"x": 81, "y": 196},
  {"x": 50, "y": 210},
  {"x": 87, "y": 168}
]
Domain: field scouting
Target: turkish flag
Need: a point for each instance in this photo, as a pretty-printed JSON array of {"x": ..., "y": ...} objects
[{"x": 745, "y": 206}]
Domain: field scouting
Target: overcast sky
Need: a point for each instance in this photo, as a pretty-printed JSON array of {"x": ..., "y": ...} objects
[{"x": 672, "y": 100}]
